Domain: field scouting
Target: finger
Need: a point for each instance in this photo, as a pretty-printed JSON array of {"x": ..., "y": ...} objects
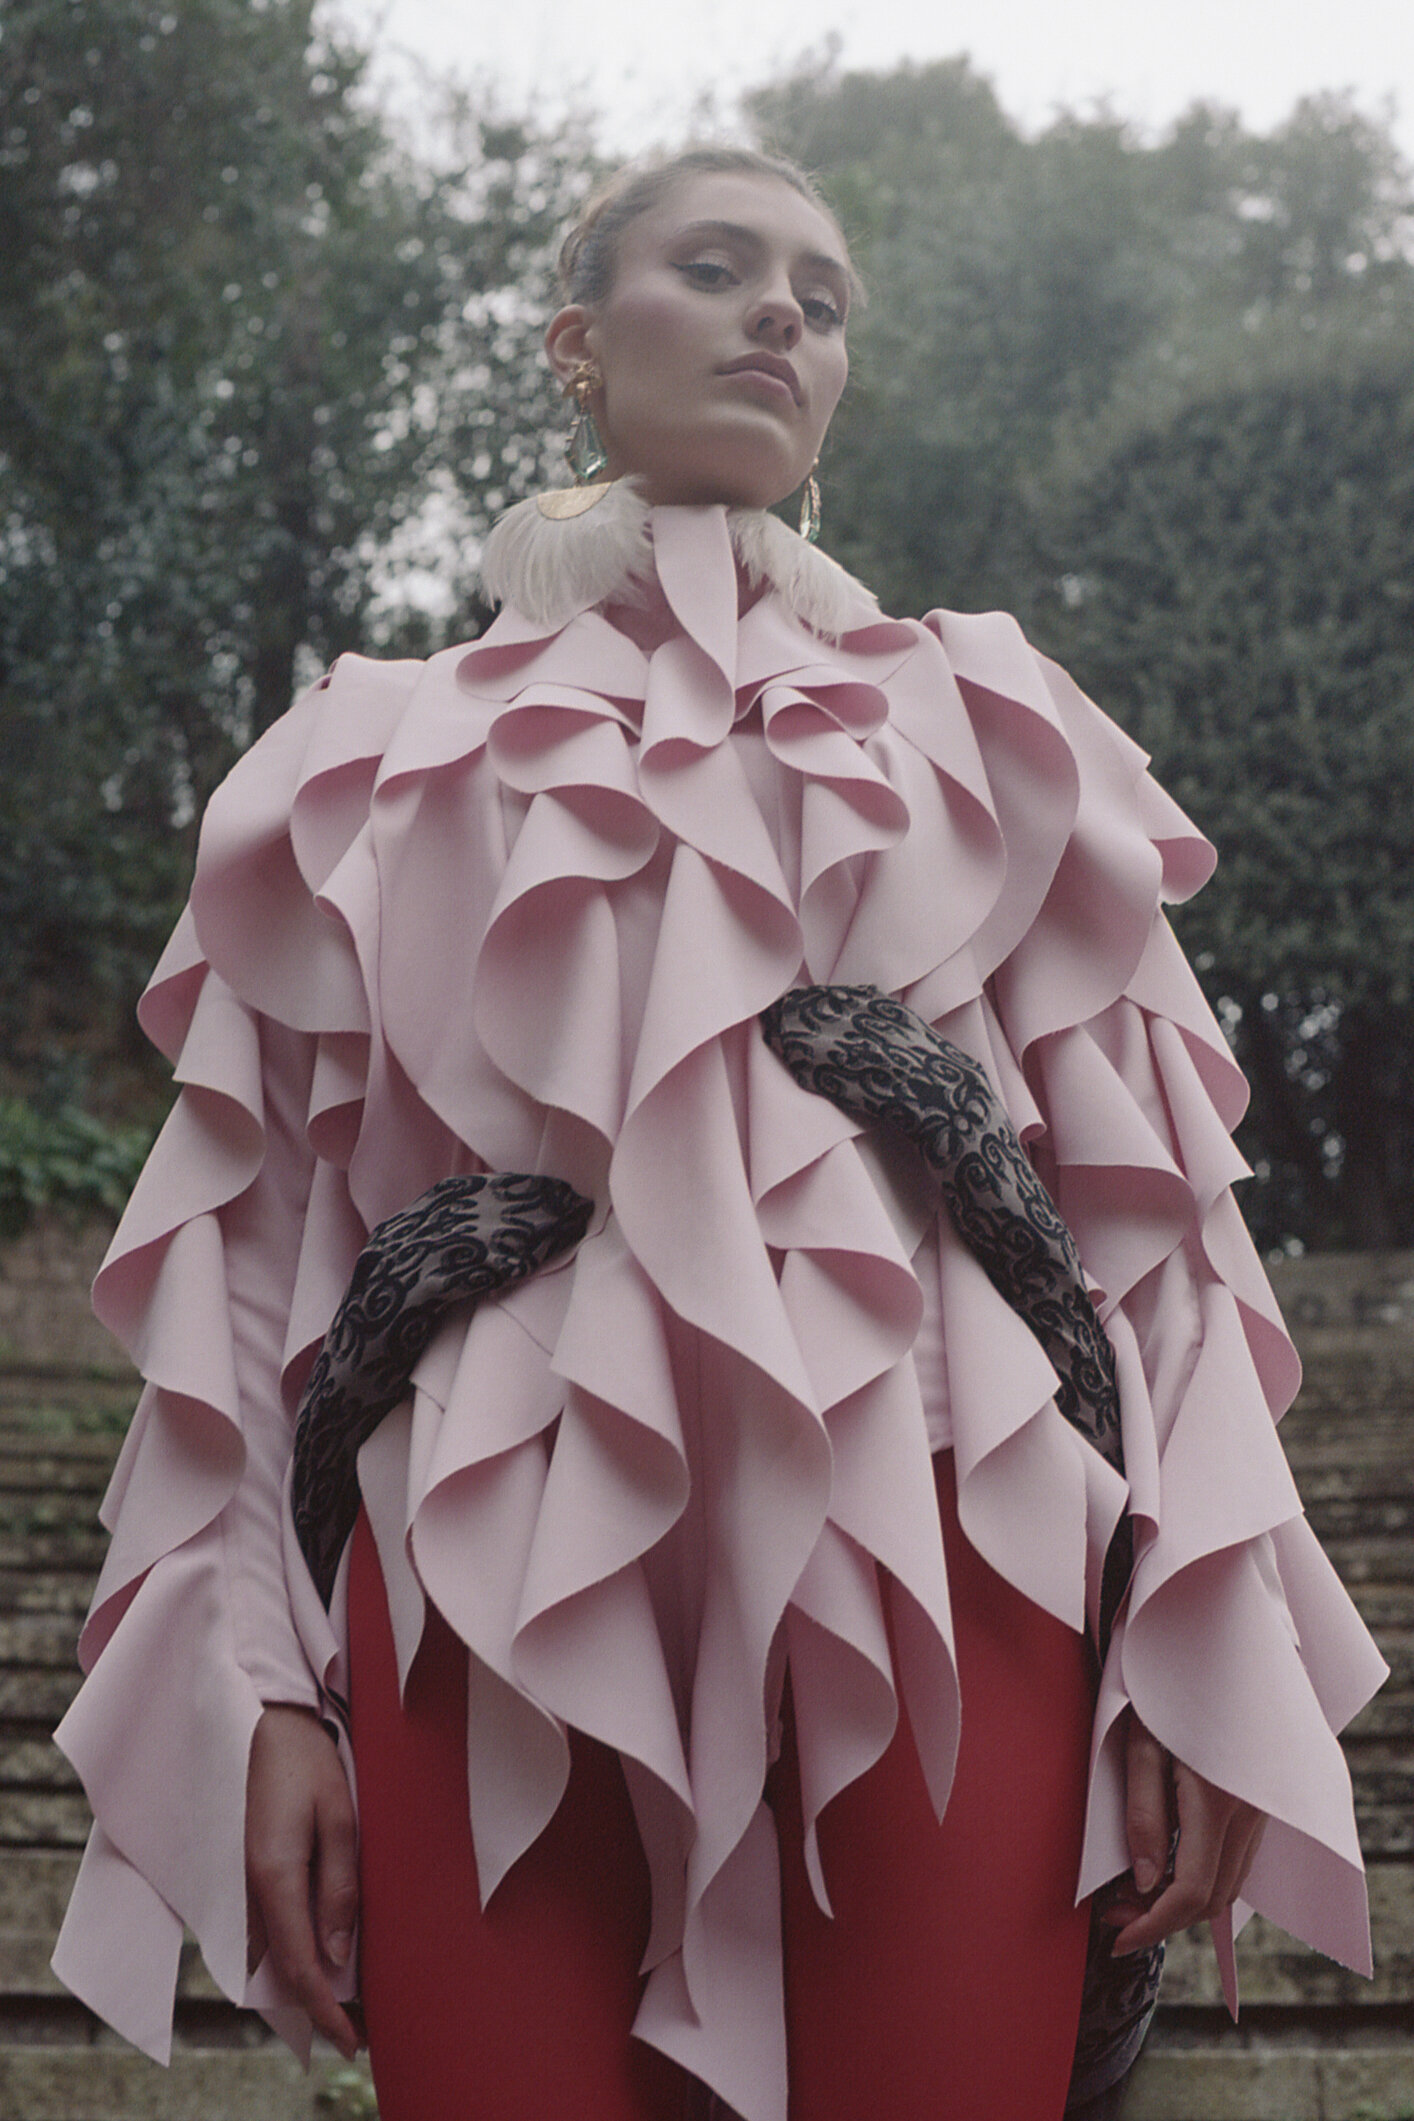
[
  {"x": 336, "y": 1875},
  {"x": 1147, "y": 1805},
  {"x": 1122, "y": 1911},
  {"x": 282, "y": 1891},
  {"x": 1177, "y": 1908},
  {"x": 1253, "y": 1850},
  {"x": 257, "y": 1943},
  {"x": 1244, "y": 1838},
  {"x": 1203, "y": 1813}
]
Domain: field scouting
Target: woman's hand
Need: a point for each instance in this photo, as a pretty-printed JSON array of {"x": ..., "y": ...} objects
[
  {"x": 1218, "y": 1836},
  {"x": 301, "y": 1863}
]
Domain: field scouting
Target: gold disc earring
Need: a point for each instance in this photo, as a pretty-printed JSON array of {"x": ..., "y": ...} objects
[
  {"x": 810, "y": 506},
  {"x": 585, "y": 449}
]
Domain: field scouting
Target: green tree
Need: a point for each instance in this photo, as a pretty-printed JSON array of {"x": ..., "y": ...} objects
[
  {"x": 1010, "y": 282},
  {"x": 1239, "y": 593},
  {"x": 245, "y": 335},
  {"x": 1154, "y": 398}
]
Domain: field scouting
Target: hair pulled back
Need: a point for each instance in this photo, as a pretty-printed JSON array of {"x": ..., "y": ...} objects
[{"x": 589, "y": 252}]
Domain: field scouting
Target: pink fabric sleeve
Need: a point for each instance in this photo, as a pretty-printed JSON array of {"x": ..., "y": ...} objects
[
  {"x": 191, "y": 1628},
  {"x": 219, "y": 1283},
  {"x": 523, "y": 905},
  {"x": 1211, "y": 1649},
  {"x": 261, "y": 1234}
]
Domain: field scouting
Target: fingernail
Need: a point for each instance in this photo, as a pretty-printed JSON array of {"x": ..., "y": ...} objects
[
  {"x": 1146, "y": 1874},
  {"x": 340, "y": 1945}
]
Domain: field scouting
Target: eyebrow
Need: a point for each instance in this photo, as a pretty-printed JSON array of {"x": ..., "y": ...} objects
[{"x": 737, "y": 231}]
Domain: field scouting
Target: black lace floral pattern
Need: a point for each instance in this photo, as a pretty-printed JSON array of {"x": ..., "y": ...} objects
[
  {"x": 460, "y": 1240},
  {"x": 882, "y": 1064}
]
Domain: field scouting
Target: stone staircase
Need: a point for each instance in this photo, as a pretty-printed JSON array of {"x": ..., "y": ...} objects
[
  {"x": 1314, "y": 2043},
  {"x": 58, "y": 1438}
]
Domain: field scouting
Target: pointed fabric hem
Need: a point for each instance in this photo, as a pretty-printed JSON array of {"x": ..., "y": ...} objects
[{"x": 521, "y": 908}]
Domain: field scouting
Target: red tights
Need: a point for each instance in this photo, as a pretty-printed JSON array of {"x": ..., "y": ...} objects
[{"x": 946, "y": 1988}]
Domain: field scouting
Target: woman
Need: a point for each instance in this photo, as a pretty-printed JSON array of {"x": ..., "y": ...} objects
[{"x": 646, "y": 1637}]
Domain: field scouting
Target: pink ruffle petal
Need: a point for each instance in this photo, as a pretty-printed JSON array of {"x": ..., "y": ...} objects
[{"x": 522, "y": 906}]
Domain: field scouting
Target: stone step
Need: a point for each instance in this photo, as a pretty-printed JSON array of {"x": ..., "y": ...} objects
[
  {"x": 37, "y": 1697},
  {"x": 80, "y": 1544},
  {"x": 43, "y": 1639},
  {"x": 43, "y": 1819},
  {"x": 45, "y": 1590},
  {"x": 41, "y": 2083},
  {"x": 30, "y": 1763},
  {"x": 1373, "y": 1429},
  {"x": 1333, "y": 1477},
  {"x": 1371, "y": 1425},
  {"x": 34, "y": 1891},
  {"x": 78, "y": 1462},
  {"x": 1389, "y": 1715},
  {"x": 1396, "y": 1647},
  {"x": 1368, "y": 1418},
  {"x": 1384, "y": 1807},
  {"x": 1371, "y": 1560},
  {"x": 40, "y": 1508},
  {"x": 1387, "y": 1609},
  {"x": 1274, "y": 1970},
  {"x": 48, "y": 1394},
  {"x": 1279, "y": 2083},
  {"x": 1333, "y": 1288},
  {"x": 103, "y": 2083}
]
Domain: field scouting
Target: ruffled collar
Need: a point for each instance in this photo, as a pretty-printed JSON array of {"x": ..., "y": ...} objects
[{"x": 550, "y": 568}]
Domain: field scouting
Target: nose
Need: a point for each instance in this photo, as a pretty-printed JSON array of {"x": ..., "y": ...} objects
[{"x": 777, "y": 319}]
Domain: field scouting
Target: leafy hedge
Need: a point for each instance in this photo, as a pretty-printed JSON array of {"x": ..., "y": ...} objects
[{"x": 64, "y": 1158}]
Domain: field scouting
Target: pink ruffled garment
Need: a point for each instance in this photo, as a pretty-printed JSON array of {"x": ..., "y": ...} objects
[{"x": 519, "y": 908}]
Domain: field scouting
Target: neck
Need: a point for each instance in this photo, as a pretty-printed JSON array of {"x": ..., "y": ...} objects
[{"x": 550, "y": 558}]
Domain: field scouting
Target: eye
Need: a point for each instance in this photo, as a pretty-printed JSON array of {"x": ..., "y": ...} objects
[
  {"x": 707, "y": 273},
  {"x": 823, "y": 312}
]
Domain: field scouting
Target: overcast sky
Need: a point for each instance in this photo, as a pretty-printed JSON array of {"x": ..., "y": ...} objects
[{"x": 643, "y": 64}]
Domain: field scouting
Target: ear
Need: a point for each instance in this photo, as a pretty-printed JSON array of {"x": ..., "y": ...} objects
[{"x": 567, "y": 340}]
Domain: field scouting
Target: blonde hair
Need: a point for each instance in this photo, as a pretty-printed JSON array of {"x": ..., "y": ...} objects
[{"x": 589, "y": 252}]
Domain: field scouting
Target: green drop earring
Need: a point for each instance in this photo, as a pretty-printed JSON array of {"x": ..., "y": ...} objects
[
  {"x": 810, "y": 507},
  {"x": 585, "y": 449}
]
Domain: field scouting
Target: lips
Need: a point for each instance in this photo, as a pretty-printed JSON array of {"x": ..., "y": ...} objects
[{"x": 767, "y": 364}]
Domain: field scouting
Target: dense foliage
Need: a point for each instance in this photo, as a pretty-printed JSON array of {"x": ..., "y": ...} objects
[
  {"x": 1243, "y": 601},
  {"x": 1160, "y": 401},
  {"x": 247, "y": 342},
  {"x": 64, "y": 1159},
  {"x": 267, "y": 367}
]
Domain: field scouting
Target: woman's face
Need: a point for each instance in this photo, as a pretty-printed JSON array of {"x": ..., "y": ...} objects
[{"x": 721, "y": 342}]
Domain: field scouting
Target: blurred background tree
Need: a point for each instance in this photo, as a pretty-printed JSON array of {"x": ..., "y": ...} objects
[
  {"x": 268, "y": 366},
  {"x": 251, "y": 347},
  {"x": 1159, "y": 401}
]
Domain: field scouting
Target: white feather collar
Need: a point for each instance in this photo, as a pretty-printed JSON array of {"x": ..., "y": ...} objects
[{"x": 550, "y": 569}]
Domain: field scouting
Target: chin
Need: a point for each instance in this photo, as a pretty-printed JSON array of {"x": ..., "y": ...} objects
[{"x": 742, "y": 475}]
